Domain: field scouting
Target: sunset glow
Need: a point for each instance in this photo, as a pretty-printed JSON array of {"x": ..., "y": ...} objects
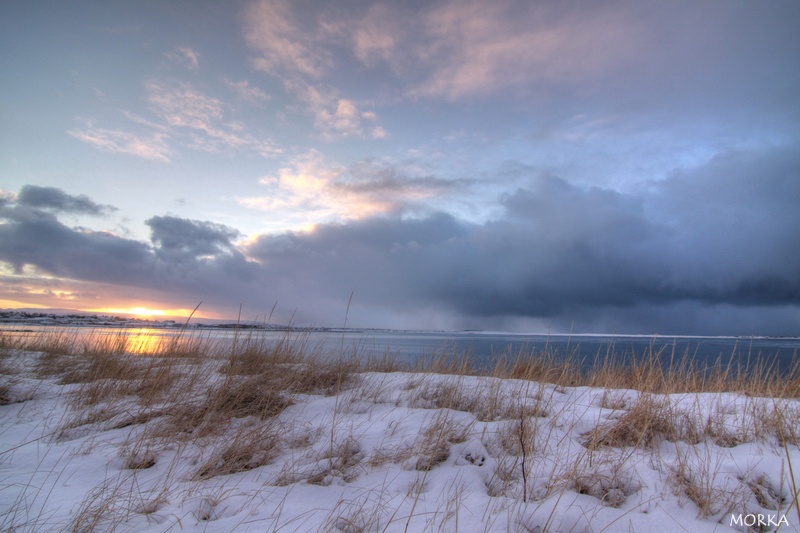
[{"x": 144, "y": 312}]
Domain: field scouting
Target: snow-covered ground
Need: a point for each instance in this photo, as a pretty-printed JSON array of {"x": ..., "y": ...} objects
[{"x": 400, "y": 452}]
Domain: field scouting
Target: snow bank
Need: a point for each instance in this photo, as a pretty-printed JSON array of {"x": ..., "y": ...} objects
[{"x": 400, "y": 452}]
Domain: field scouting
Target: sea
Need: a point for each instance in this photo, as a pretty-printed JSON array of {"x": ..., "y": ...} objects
[{"x": 482, "y": 348}]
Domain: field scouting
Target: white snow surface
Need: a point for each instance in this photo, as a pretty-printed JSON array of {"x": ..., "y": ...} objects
[{"x": 381, "y": 456}]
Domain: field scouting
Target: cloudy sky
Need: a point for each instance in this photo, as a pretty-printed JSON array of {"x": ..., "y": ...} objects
[{"x": 624, "y": 167}]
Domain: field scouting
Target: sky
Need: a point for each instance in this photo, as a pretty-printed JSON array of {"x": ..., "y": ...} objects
[{"x": 604, "y": 166}]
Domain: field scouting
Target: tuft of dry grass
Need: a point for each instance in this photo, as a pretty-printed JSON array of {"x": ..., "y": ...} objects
[
  {"x": 140, "y": 460},
  {"x": 488, "y": 403},
  {"x": 545, "y": 366},
  {"x": 6, "y": 396},
  {"x": 255, "y": 355},
  {"x": 653, "y": 419},
  {"x": 647, "y": 422},
  {"x": 767, "y": 494},
  {"x": 212, "y": 412},
  {"x": 254, "y": 396},
  {"x": 250, "y": 447},
  {"x": 54, "y": 364},
  {"x": 433, "y": 444},
  {"x": 656, "y": 371},
  {"x": 697, "y": 476},
  {"x": 340, "y": 460},
  {"x": 612, "y": 489},
  {"x": 611, "y": 399}
]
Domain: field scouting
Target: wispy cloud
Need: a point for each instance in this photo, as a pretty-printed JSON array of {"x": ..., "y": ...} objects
[
  {"x": 249, "y": 93},
  {"x": 312, "y": 190},
  {"x": 284, "y": 45},
  {"x": 348, "y": 121},
  {"x": 184, "y": 117},
  {"x": 182, "y": 106},
  {"x": 454, "y": 49},
  {"x": 185, "y": 109},
  {"x": 336, "y": 117},
  {"x": 152, "y": 146},
  {"x": 376, "y": 36},
  {"x": 300, "y": 56},
  {"x": 478, "y": 47},
  {"x": 305, "y": 193},
  {"x": 185, "y": 56}
]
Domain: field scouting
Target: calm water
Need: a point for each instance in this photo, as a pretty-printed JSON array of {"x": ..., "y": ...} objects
[{"x": 482, "y": 348}]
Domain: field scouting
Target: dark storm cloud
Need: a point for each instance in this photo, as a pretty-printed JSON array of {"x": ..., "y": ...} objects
[
  {"x": 187, "y": 259},
  {"x": 370, "y": 179},
  {"x": 385, "y": 260},
  {"x": 711, "y": 250},
  {"x": 736, "y": 225},
  {"x": 726, "y": 234},
  {"x": 57, "y": 200},
  {"x": 35, "y": 237},
  {"x": 194, "y": 238},
  {"x": 537, "y": 262}
]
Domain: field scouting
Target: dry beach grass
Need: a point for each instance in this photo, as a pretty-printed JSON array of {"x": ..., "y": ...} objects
[{"x": 193, "y": 433}]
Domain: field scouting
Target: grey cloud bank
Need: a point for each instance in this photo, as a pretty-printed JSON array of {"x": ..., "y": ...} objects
[
  {"x": 57, "y": 200},
  {"x": 714, "y": 250}
]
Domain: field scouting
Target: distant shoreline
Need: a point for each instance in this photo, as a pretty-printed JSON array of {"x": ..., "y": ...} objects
[{"x": 114, "y": 321}]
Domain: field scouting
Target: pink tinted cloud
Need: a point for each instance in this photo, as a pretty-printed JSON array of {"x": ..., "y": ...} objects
[
  {"x": 153, "y": 147},
  {"x": 479, "y": 47},
  {"x": 283, "y": 45}
]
